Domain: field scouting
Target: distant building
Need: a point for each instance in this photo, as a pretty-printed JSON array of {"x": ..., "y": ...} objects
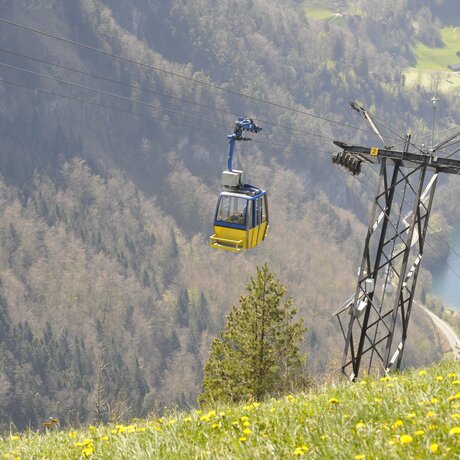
[{"x": 454, "y": 67}]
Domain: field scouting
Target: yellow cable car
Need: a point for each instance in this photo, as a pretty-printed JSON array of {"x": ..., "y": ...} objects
[{"x": 241, "y": 218}]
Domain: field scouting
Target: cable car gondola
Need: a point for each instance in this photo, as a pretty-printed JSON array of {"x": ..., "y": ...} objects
[{"x": 241, "y": 218}]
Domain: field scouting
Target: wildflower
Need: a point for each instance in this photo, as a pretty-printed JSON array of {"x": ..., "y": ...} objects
[
  {"x": 434, "y": 400},
  {"x": 456, "y": 396},
  {"x": 397, "y": 424},
  {"x": 14, "y": 438},
  {"x": 360, "y": 457},
  {"x": 456, "y": 415},
  {"x": 299, "y": 452},
  {"x": 419, "y": 433},
  {"x": 211, "y": 414},
  {"x": 87, "y": 451},
  {"x": 187, "y": 419},
  {"x": 215, "y": 425},
  {"x": 422, "y": 372},
  {"x": 406, "y": 439},
  {"x": 104, "y": 438},
  {"x": 244, "y": 418},
  {"x": 385, "y": 379},
  {"x": 246, "y": 423},
  {"x": 440, "y": 378},
  {"x": 378, "y": 400},
  {"x": 411, "y": 415},
  {"x": 247, "y": 431},
  {"x": 243, "y": 438},
  {"x": 360, "y": 425},
  {"x": 430, "y": 414},
  {"x": 333, "y": 401},
  {"x": 272, "y": 409},
  {"x": 141, "y": 429},
  {"x": 204, "y": 418},
  {"x": 434, "y": 448},
  {"x": 452, "y": 375},
  {"x": 454, "y": 431},
  {"x": 455, "y": 382}
]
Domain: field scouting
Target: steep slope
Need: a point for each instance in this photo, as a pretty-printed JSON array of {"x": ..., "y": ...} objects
[{"x": 110, "y": 249}]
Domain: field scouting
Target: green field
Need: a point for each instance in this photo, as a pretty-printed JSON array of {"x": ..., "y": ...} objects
[
  {"x": 440, "y": 58},
  {"x": 415, "y": 414},
  {"x": 431, "y": 71}
]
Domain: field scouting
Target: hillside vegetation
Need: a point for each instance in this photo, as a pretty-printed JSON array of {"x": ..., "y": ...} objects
[
  {"x": 412, "y": 415},
  {"x": 110, "y": 170}
]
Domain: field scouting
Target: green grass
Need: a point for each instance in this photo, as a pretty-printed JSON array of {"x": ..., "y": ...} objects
[
  {"x": 440, "y": 58},
  {"x": 411, "y": 415}
]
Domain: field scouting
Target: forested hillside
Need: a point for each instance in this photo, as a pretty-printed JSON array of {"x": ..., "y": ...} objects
[{"x": 110, "y": 161}]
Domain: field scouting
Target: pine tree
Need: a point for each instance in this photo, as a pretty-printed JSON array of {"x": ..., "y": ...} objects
[{"x": 257, "y": 354}]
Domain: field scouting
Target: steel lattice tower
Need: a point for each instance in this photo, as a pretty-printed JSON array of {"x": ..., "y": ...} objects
[{"x": 374, "y": 321}]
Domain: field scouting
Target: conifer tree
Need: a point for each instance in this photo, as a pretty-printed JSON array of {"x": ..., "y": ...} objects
[{"x": 257, "y": 354}]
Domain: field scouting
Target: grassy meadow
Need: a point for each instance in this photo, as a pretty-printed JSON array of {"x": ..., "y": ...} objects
[
  {"x": 415, "y": 414},
  {"x": 431, "y": 69}
]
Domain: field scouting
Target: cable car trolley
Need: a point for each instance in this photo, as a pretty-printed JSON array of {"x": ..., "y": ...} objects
[{"x": 241, "y": 218}]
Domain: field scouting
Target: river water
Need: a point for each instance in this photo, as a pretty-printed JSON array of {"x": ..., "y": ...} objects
[{"x": 446, "y": 279}]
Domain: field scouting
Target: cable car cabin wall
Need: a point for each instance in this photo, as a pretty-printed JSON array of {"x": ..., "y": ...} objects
[{"x": 241, "y": 219}]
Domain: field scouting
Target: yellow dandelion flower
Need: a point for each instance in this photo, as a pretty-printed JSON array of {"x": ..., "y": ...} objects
[
  {"x": 363, "y": 382},
  {"x": 456, "y": 415},
  {"x": 455, "y": 382},
  {"x": 333, "y": 401},
  {"x": 113, "y": 431},
  {"x": 211, "y": 414},
  {"x": 360, "y": 457},
  {"x": 411, "y": 415},
  {"x": 244, "y": 418},
  {"x": 88, "y": 441},
  {"x": 187, "y": 419},
  {"x": 14, "y": 438},
  {"x": 430, "y": 414},
  {"x": 235, "y": 423},
  {"x": 304, "y": 447},
  {"x": 385, "y": 379},
  {"x": 87, "y": 452},
  {"x": 419, "y": 433},
  {"x": 440, "y": 378},
  {"x": 323, "y": 437},
  {"x": 242, "y": 439},
  {"x": 289, "y": 397},
  {"x": 272, "y": 409},
  {"x": 406, "y": 439},
  {"x": 141, "y": 429},
  {"x": 79, "y": 444},
  {"x": 360, "y": 425},
  {"x": 215, "y": 425},
  {"x": 247, "y": 431},
  {"x": 434, "y": 448},
  {"x": 204, "y": 418},
  {"x": 378, "y": 400},
  {"x": 434, "y": 400},
  {"x": 454, "y": 431},
  {"x": 389, "y": 385},
  {"x": 452, "y": 375},
  {"x": 456, "y": 396},
  {"x": 246, "y": 423},
  {"x": 299, "y": 452},
  {"x": 422, "y": 372},
  {"x": 104, "y": 438},
  {"x": 432, "y": 427},
  {"x": 397, "y": 424}
]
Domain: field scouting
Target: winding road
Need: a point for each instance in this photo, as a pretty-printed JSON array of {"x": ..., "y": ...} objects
[{"x": 446, "y": 330}]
